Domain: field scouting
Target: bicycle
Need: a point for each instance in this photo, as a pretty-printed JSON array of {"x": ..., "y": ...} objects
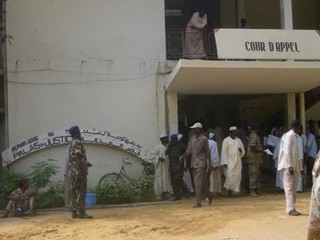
[{"x": 123, "y": 176}]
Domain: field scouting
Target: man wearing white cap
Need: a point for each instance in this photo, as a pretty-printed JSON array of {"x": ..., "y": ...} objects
[
  {"x": 231, "y": 154},
  {"x": 162, "y": 184},
  {"x": 198, "y": 150}
]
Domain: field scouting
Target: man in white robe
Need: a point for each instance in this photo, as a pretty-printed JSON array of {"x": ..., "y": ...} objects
[
  {"x": 291, "y": 166},
  {"x": 231, "y": 154},
  {"x": 162, "y": 186},
  {"x": 314, "y": 214},
  {"x": 194, "y": 38}
]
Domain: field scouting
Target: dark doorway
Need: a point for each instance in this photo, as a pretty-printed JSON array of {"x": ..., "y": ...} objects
[{"x": 218, "y": 112}]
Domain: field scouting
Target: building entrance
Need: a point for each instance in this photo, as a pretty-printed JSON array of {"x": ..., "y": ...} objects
[
  {"x": 226, "y": 110},
  {"x": 219, "y": 112}
]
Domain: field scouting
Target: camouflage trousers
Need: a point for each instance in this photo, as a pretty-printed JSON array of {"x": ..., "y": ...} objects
[
  {"x": 254, "y": 172},
  {"x": 78, "y": 190},
  {"x": 22, "y": 206},
  {"x": 178, "y": 184}
]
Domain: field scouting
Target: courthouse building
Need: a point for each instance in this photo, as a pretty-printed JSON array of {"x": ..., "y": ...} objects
[{"x": 116, "y": 69}]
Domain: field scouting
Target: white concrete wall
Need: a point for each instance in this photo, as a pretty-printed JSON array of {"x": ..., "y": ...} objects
[
  {"x": 92, "y": 63},
  {"x": 104, "y": 160}
]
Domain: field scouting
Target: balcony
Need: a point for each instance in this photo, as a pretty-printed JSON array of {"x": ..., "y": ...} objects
[
  {"x": 175, "y": 38},
  {"x": 241, "y": 67}
]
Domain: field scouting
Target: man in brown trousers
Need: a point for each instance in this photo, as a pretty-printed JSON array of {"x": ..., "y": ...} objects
[{"x": 198, "y": 150}]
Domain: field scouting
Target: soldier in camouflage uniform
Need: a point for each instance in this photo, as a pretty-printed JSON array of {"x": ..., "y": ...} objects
[
  {"x": 175, "y": 150},
  {"x": 77, "y": 171},
  {"x": 255, "y": 159}
]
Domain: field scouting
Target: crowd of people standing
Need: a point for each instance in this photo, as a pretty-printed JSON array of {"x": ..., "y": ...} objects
[
  {"x": 237, "y": 164},
  {"x": 292, "y": 152},
  {"x": 211, "y": 173}
]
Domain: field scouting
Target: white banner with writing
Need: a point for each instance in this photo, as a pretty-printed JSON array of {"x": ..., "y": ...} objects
[
  {"x": 55, "y": 138},
  {"x": 267, "y": 44}
]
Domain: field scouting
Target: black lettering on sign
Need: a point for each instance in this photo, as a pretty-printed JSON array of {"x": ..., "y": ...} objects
[
  {"x": 295, "y": 47},
  {"x": 20, "y": 153},
  {"x": 33, "y": 139},
  {"x": 255, "y": 46},
  {"x": 36, "y": 145},
  {"x": 31, "y": 148},
  {"x": 284, "y": 46},
  {"x": 48, "y": 143},
  {"x": 15, "y": 155},
  {"x": 14, "y": 148},
  {"x": 50, "y": 134},
  {"x": 56, "y": 140},
  {"x": 271, "y": 46},
  {"x": 20, "y": 145},
  {"x": 52, "y": 139}
]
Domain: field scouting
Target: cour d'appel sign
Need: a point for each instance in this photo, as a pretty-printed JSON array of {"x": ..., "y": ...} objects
[{"x": 267, "y": 44}]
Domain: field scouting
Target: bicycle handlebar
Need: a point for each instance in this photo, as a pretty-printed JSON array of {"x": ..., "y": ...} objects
[
  {"x": 146, "y": 164},
  {"x": 126, "y": 161}
]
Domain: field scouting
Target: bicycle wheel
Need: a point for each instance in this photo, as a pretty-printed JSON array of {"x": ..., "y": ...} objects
[{"x": 110, "y": 177}]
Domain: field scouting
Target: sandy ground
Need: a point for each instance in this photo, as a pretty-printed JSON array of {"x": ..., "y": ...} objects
[{"x": 242, "y": 218}]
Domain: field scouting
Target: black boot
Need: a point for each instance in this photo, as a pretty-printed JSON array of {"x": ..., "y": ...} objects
[
  {"x": 83, "y": 215},
  {"x": 74, "y": 214}
]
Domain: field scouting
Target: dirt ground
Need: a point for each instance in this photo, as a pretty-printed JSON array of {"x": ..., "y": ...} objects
[{"x": 246, "y": 218}]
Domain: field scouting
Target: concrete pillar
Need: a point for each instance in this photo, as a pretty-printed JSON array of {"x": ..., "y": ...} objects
[
  {"x": 302, "y": 110},
  {"x": 291, "y": 108},
  {"x": 241, "y": 10},
  {"x": 286, "y": 14},
  {"x": 161, "y": 107},
  {"x": 172, "y": 112},
  {"x": 303, "y": 123}
]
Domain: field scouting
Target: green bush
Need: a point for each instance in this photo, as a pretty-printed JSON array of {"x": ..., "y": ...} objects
[
  {"x": 9, "y": 184},
  {"x": 41, "y": 174},
  {"x": 115, "y": 192},
  {"x": 54, "y": 197},
  {"x": 39, "y": 178},
  {"x": 144, "y": 188}
]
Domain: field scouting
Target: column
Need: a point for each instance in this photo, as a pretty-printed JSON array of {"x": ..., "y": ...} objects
[
  {"x": 241, "y": 11},
  {"x": 286, "y": 14},
  {"x": 287, "y": 23},
  {"x": 291, "y": 108},
  {"x": 172, "y": 112},
  {"x": 303, "y": 123},
  {"x": 161, "y": 107},
  {"x": 302, "y": 110}
]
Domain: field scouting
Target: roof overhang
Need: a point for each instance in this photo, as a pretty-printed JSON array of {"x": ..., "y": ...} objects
[{"x": 202, "y": 77}]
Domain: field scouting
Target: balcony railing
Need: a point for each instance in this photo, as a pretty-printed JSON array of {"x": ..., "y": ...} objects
[{"x": 175, "y": 39}]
